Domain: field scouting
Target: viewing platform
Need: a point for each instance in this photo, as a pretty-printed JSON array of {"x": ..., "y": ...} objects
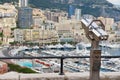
[{"x": 55, "y": 76}]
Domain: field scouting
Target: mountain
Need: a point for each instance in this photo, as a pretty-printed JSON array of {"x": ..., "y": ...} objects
[
  {"x": 93, "y": 7},
  {"x": 3, "y": 1}
]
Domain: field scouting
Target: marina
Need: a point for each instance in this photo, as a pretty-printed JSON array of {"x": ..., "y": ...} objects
[{"x": 70, "y": 65}]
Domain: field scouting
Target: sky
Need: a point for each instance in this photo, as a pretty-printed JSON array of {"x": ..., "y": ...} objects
[{"x": 117, "y": 2}]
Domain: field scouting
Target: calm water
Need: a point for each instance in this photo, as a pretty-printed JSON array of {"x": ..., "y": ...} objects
[{"x": 114, "y": 52}]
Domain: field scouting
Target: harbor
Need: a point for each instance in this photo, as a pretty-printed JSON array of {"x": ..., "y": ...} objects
[{"x": 70, "y": 65}]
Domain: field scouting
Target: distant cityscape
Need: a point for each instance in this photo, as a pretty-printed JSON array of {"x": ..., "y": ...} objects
[
  {"x": 27, "y": 32},
  {"x": 26, "y": 24}
]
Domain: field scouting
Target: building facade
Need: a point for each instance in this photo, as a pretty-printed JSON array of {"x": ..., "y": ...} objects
[
  {"x": 25, "y": 19},
  {"x": 78, "y": 14},
  {"x": 23, "y": 3},
  {"x": 36, "y": 35},
  {"x": 71, "y": 11},
  {"x": 37, "y": 21},
  {"x": 108, "y": 22},
  {"x": 18, "y": 35},
  {"x": 3, "y": 67},
  {"x": 9, "y": 22}
]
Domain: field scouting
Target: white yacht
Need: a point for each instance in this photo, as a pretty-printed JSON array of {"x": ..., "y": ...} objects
[
  {"x": 110, "y": 45},
  {"x": 84, "y": 45},
  {"x": 50, "y": 46},
  {"x": 114, "y": 46},
  {"x": 35, "y": 47},
  {"x": 66, "y": 45},
  {"x": 59, "y": 46}
]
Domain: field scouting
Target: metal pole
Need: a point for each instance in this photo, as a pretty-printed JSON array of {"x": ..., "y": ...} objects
[
  {"x": 95, "y": 61},
  {"x": 19, "y": 77},
  {"x": 61, "y": 66}
]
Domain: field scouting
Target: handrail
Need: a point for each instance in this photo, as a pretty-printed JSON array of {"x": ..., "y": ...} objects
[
  {"x": 56, "y": 57},
  {"x": 53, "y": 57}
]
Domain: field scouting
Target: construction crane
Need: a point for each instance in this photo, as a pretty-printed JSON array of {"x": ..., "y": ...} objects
[{"x": 95, "y": 32}]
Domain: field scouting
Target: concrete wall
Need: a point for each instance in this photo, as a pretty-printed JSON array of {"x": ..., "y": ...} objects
[{"x": 54, "y": 76}]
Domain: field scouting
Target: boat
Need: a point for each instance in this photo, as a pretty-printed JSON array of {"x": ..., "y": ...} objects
[
  {"x": 35, "y": 47},
  {"x": 59, "y": 46},
  {"x": 84, "y": 45},
  {"x": 69, "y": 46},
  {"x": 110, "y": 45},
  {"x": 114, "y": 46},
  {"x": 43, "y": 63},
  {"x": 50, "y": 46}
]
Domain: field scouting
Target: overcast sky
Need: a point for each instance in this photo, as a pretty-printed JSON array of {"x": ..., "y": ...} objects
[{"x": 115, "y": 1}]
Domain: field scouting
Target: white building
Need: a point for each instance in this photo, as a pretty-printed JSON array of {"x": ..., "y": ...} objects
[
  {"x": 35, "y": 35},
  {"x": 37, "y": 21},
  {"x": 108, "y": 22},
  {"x": 10, "y": 22},
  {"x": 88, "y": 16},
  {"x": 19, "y": 35},
  {"x": 8, "y": 10},
  {"x": 23, "y": 3},
  {"x": 78, "y": 14}
]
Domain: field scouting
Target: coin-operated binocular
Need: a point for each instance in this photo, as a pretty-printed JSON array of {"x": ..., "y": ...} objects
[{"x": 94, "y": 29}]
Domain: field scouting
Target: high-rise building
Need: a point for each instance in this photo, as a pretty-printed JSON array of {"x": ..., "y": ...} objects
[
  {"x": 78, "y": 14},
  {"x": 25, "y": 19},
  {"x": 23, "y": 3},
  {"x": 71, "y": 11}
]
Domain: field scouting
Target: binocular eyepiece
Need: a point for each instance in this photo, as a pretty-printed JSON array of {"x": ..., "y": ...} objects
[{"x": 95, "y": 29}]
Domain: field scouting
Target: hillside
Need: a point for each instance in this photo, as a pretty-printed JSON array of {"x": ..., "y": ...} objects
[
  {"x": 86, "y": 2},
  {"x": 3, "y": 1},
  {"x": 93, "y": 7}
]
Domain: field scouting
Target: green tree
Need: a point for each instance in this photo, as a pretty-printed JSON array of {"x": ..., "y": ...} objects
[
  {"x": 0, "y": 42},
  {"x": 1, "y": 34},
  {"x": 17, "y": 68}
]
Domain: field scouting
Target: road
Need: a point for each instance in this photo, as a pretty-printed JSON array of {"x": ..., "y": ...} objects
[{"x": 4, "y": 53}]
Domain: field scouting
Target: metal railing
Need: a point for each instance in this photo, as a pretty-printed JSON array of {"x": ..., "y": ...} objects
[{"x": 56, "y": 57}]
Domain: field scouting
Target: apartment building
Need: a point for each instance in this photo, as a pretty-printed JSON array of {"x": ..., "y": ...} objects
[
  {"x": 108, "y": 22},
  {"x": 36, "y": 35}
]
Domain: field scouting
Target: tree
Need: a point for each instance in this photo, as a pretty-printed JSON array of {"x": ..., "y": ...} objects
[
  {"x": 17, "y": 68},
  {"x": 0, "y": 42},
  {"x": 1, "y": 34}
]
